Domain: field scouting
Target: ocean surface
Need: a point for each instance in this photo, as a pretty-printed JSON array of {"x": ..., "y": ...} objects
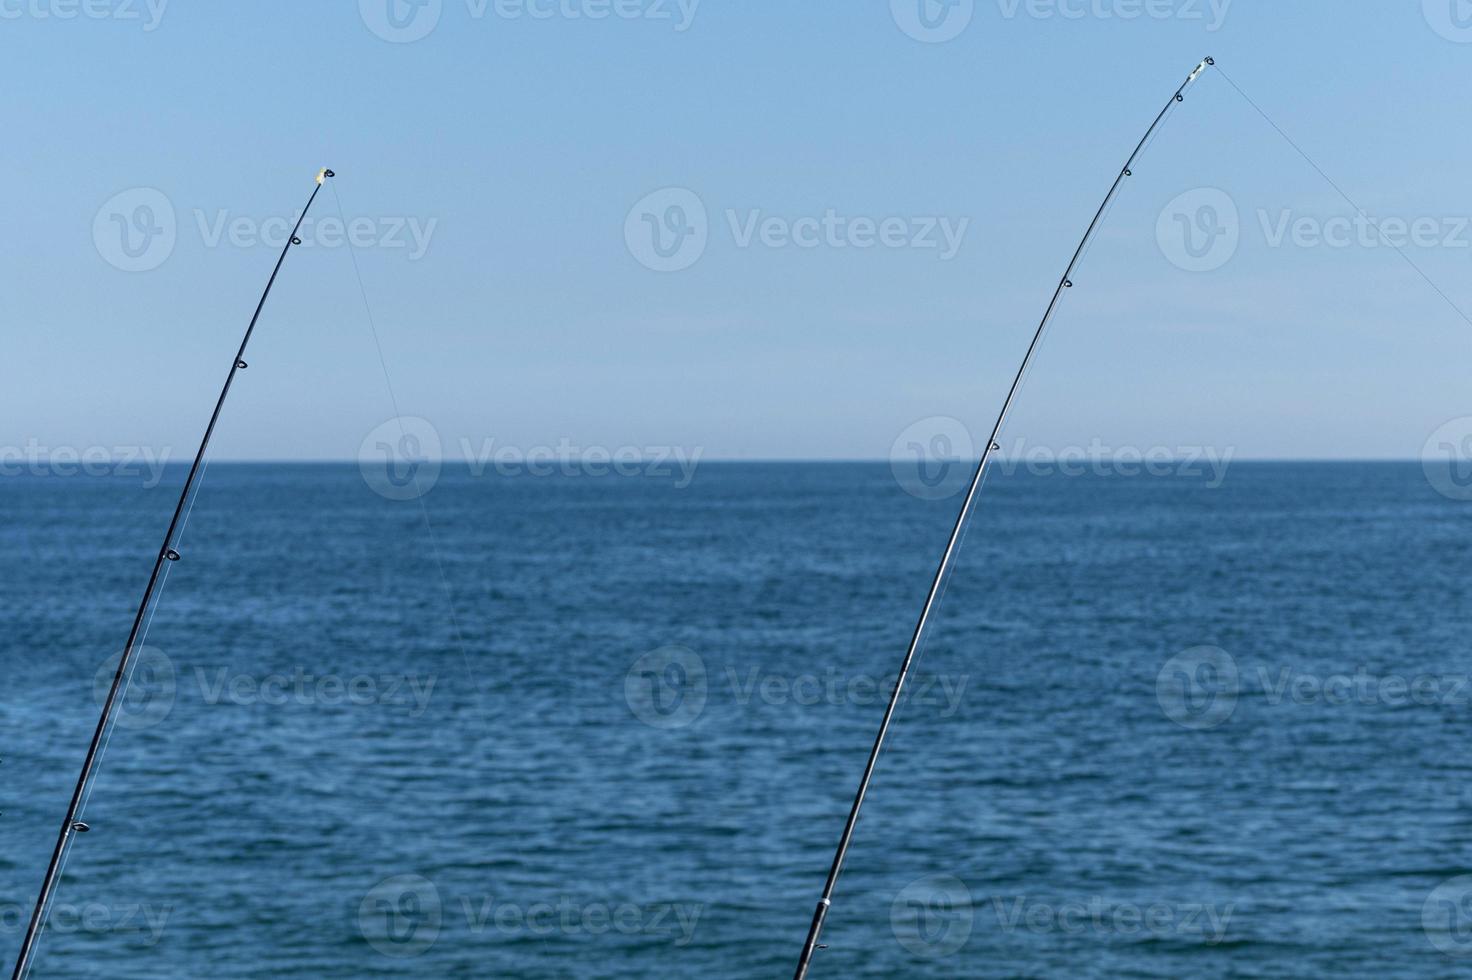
[{"x": 605, "y": 726}]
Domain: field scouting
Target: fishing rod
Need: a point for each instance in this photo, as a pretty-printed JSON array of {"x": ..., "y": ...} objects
[
  {"x": 73, "y": 824},
  {"x": 948, "y": 557}
]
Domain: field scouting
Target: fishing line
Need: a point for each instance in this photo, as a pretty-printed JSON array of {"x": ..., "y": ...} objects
[
  {"x": 942, "y": 573},
  {"x": 419, "y": 490},
  {"x": 167, "y": 555},
  {"x": 419, "y": 495},
  {"x": 1348, "y": 200}
]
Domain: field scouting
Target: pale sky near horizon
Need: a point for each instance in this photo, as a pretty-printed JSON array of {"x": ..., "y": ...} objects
[{"x": 756, "y": 229}]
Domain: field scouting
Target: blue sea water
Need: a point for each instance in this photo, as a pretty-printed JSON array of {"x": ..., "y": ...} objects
[{"x": 609, "y": 727}]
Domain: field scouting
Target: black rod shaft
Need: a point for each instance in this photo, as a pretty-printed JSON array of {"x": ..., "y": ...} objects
[
  {"x": 69, "y": 826},
  {"x": 947, "y": 559}
]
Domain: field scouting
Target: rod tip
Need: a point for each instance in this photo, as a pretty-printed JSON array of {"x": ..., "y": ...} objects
[{"x": 323, "y": 174}]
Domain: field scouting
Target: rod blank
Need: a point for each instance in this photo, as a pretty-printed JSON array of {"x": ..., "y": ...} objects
[
  {"x": 72, "y": 825},
  {"x": 949, "y": 555}
]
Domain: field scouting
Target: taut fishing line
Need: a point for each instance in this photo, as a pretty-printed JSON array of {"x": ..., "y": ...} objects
[
  {"x": 1347, "y": 199},
  {"x": 420, "y": 493}
]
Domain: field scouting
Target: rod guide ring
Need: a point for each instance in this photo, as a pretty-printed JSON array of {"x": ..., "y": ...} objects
[
  {"x": 295, "y": 240},
  {"x": 172, "y": 555}
]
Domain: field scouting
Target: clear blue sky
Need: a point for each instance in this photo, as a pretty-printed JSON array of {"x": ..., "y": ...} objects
[{"x": 526, "y": 141}]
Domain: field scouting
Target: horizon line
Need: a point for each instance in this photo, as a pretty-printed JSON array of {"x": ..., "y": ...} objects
[{"x": 728, "y": 460}]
